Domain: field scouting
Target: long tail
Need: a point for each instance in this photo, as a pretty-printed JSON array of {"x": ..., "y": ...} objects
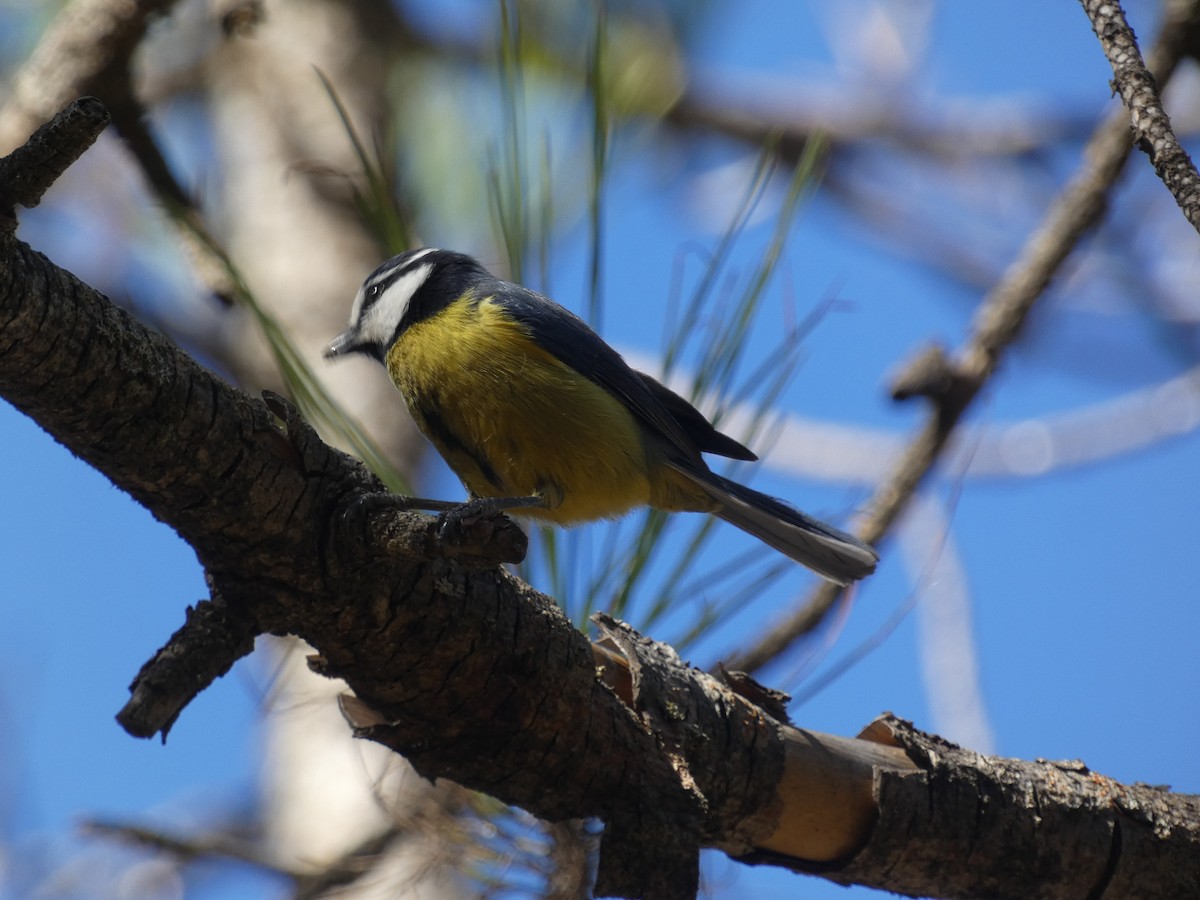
[{"x": 832, "y": 554}]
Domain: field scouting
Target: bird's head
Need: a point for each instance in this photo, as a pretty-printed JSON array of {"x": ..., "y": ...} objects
[{"x": 407, "y": 288}]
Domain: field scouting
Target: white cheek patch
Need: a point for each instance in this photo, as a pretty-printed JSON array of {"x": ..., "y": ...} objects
[{"x": 383, "y": 317}]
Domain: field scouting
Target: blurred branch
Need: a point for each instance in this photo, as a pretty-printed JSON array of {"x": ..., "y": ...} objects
[
  {"x": 132, "y": 123},
  {"x": 89, "y": 49},
  {"x": 109, "y": 71},
  {"x": 1151, "y": 125},
  {"x": 347, "y": 869},
  {"x": 952, "y": 383},
  {"x": 309, "y": 195},
  {"x": 472, "y": 675},
  {"x": 192, "y": 847},
  {"x": 847, "y": 119},
  {"x": 86, "y": 51},
  {"x": 309, "y": 882},
  {"x": 701, "y": 103}
]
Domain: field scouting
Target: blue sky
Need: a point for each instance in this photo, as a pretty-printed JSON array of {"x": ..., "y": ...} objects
[{"x": 1082, "y": 602}]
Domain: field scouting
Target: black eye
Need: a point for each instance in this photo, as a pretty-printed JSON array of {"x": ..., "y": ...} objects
[{"x": 374, "y": 291}]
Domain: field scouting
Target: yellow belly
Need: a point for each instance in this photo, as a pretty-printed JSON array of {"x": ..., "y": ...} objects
[{"x": 511, "y": 420}]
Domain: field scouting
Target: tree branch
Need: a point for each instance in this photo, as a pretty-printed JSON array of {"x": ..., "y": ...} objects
[
  {"x": 951, "y": 384},
  {"x": 474, "y": 676},
  {"x": 89, "y": 49},
  {"x": 272, "y": 517},
  {"x": 1043, "y": 828},
  {"x": 30, "y": 170},
  {"x": 89, "y": 45},
  {"x": 1139, "y": 91}
]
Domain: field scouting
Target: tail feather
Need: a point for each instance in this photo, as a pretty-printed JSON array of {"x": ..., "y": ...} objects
[{"x": 832, "y": 554}]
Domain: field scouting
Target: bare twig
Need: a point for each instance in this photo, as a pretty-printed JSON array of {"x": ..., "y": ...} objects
[
  {"x": 310, "y": 882},
  {"x": 214, "y": 637},
  {"x": 28, "y": 171},
  {"x": 196, "y": 846},
  {"x": 1149, "y": 120},
  {"x": 999, "y": 320}
]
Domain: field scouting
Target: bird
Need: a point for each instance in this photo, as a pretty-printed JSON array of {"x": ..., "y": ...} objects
[{"x": 539, "y": 417}]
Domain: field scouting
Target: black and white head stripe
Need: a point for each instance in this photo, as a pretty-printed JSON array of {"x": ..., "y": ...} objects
[
  {"x": 407, "y": 289},
  {"x": 385, "y": 296}
]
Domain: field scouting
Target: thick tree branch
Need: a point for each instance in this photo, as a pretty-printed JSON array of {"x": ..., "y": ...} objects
[
  {"x": 271, "y": 520},
  {"x": 474, "y": 676},
  {"x": 952, "y": 383},
  {"x": 984, "y": 826},
  {"x": 474, "y": 673}
]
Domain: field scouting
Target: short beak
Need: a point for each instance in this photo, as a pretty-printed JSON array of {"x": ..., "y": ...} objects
[{"x": 345, "y": 343}]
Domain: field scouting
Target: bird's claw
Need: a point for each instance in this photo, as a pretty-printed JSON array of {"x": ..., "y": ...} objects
[
  {"x": 454, "y": 523},
  {"x": 475, "y": 529}
]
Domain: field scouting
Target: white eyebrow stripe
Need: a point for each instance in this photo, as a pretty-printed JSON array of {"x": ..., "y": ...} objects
[
  {"x": 381, "y": 276},
  {"x": 421, "y": 253},
  {"x": 409, "y": 262}
]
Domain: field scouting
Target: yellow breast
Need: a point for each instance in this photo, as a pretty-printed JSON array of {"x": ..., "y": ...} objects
[{"x": 512, "y": 420}]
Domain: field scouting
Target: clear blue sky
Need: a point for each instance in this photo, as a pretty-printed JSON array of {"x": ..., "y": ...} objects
[{"x": 1083, "y": 605}]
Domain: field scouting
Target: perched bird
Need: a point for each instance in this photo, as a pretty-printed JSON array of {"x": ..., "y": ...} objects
[{"x": 539, "y": 416}]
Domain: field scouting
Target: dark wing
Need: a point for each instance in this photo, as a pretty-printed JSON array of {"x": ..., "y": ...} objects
[
  {"x": 691, "y": 420},
  {"x": 571, "y": 340}
]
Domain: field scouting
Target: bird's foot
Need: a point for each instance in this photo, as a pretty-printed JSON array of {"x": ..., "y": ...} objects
[{"x": 454, "y": 524}]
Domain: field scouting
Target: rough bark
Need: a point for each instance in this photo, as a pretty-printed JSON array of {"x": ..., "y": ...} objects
[
  {"x": 1136, "y": 84},
  {"x": 474, "y": 676},
  {"x": 969, "y": 825}
]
